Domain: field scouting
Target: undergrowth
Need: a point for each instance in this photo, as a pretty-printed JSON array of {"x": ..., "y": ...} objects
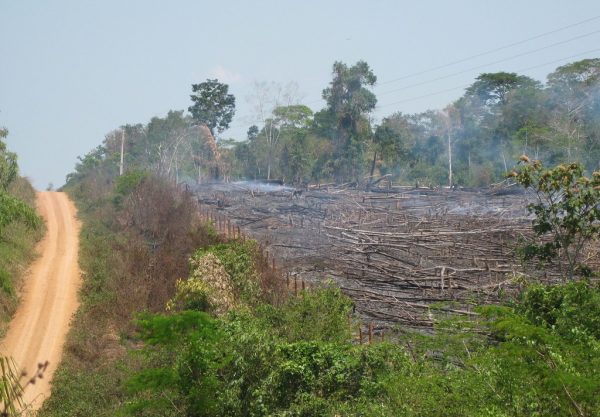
[{"x": 17, "y": 251}]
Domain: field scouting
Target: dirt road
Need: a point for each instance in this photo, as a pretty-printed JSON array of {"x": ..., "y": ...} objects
[{"x": 49, "y": 297}]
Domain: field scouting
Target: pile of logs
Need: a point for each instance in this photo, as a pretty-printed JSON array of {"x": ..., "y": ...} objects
[
  {"x": 404, "y": 255},
  {"x": 396, "y": 265}
]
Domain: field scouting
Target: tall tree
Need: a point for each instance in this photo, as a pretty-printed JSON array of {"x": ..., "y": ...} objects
[
  {"x": 12, "y": 208},
  {"x": 493, "y": 88},
  {"x": 350, "y": 100},
  {"x": 390, "y": 142},
  {"x": 213, "y": 105},
  {"x": 574, "y": 91}
]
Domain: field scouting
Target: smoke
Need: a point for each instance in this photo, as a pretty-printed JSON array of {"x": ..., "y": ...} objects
[
  {"x": 248, "y": 186},
  {"x": 258, "y": 186}
]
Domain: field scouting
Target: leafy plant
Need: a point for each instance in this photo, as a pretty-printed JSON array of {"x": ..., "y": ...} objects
[
  {"x": 11, "y": 391},
  {"x": 13, "y": 209},
  {"x": 238, "y": 259},
  {"x": 567, "y": 212}
]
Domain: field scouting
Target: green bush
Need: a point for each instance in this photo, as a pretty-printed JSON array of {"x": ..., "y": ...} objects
[
  {"x": 126, "y": 183},
  {"x": 238, "y": 259},
  {"x": 571, "y": 310},
  {"x": 536, "y": 358},
  {"x": 317, "y": 315}
]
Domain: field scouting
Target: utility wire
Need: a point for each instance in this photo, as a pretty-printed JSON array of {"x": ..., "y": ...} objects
[
  {"x": 415, "y": 98},
  {"x": 471, "y": 57},
  {"x": 491, "y": 51},
  {"x": 467, "y": 85},
  {"x": 443, "y": 77},
  {"x": 532, "y": 51}
]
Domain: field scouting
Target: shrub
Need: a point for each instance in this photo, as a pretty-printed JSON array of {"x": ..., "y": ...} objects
[{"x": 567, "y": 213}]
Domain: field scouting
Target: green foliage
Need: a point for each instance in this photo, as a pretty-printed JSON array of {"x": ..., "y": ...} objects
[
  {"x": 12, "y": 209},
  {"x": 126, "y": 184},
  {"x": 6, "y": 283},
  {"x": 494, "y": 88},
  {"x": 323, "y": 315},
  {"x": 536, "y": 357},
  {"x": 539, "y": 358},
  {"x": 20, "y": 228},
  {"x": 350, "y": 101},
  {"x": 567, "y": 211},
  {"x": 238, "y": 259},
  {"x": 500, "y": 116},
  {"x": 17, "y": 245},
  {"x": 190, "y": 294},
  {"x": 571, "y": 310},
  {"x": 294, "y": 116},
  {"x": 129, "y": 181},
  {"x": 213, "y": 105},
  {"x": 9, "y": 170},
  {"x": 11, "y": 389},
  {"x": 312, "y": 378},
  {"x": 564, "y": 370},
  {"x": 181, "y": 377},
  {"x": 131, "y": 255},
  {"x": 82, "y": 392}
]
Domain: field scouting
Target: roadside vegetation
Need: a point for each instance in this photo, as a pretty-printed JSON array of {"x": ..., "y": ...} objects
[{"x": 20, "y": 229}]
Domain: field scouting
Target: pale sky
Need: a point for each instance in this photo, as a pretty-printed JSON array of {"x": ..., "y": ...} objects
[{"x": 71, "y": 71}]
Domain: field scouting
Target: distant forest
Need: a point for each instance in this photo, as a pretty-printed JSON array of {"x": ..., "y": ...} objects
[{"x": 473, "y": 141}]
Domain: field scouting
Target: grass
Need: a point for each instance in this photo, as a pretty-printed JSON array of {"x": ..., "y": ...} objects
[{"x": 17, "y": 251}]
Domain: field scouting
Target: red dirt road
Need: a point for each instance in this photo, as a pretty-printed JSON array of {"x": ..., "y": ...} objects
[{"x": 38, "y": 331}]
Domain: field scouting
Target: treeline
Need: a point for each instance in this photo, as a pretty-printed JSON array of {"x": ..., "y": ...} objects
[
  {"x": 471, "y": 142},
  {"x": 20, "y": 228}
]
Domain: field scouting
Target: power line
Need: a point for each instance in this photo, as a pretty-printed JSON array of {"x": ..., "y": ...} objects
[
  {"x": 467, "y": 85},
  {"x": 532, "y": 51},
  {"x": 491, "y": 51},
  {"x": 488, "y": 52}
]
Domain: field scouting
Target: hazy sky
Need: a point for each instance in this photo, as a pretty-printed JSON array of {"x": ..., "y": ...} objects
[{"x": 71, "y": 71}]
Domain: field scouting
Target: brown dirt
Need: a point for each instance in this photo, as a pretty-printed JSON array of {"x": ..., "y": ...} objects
[{"x": 49, "y": 297}]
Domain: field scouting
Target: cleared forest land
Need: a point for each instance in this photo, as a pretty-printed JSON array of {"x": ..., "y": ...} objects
[{"x": 396, "y": 251}]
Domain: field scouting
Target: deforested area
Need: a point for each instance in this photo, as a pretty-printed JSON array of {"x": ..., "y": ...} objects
[
  {"x": 395, "y": 251},
  {"x": 297, "y": 210}
]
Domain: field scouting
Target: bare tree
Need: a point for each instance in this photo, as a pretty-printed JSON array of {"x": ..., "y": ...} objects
[{"x": 266, "y": 98}]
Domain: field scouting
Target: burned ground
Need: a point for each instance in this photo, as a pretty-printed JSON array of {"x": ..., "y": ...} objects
[{"x": 402, "y": 254}]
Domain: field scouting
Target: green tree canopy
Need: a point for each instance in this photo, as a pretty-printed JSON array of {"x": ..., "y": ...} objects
[
  {"x": 350, "y": 100},
  {"x": 567, "y": 213},
  {"x": 493, "y": 88},
  {"x": 213, "y": 105}
]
